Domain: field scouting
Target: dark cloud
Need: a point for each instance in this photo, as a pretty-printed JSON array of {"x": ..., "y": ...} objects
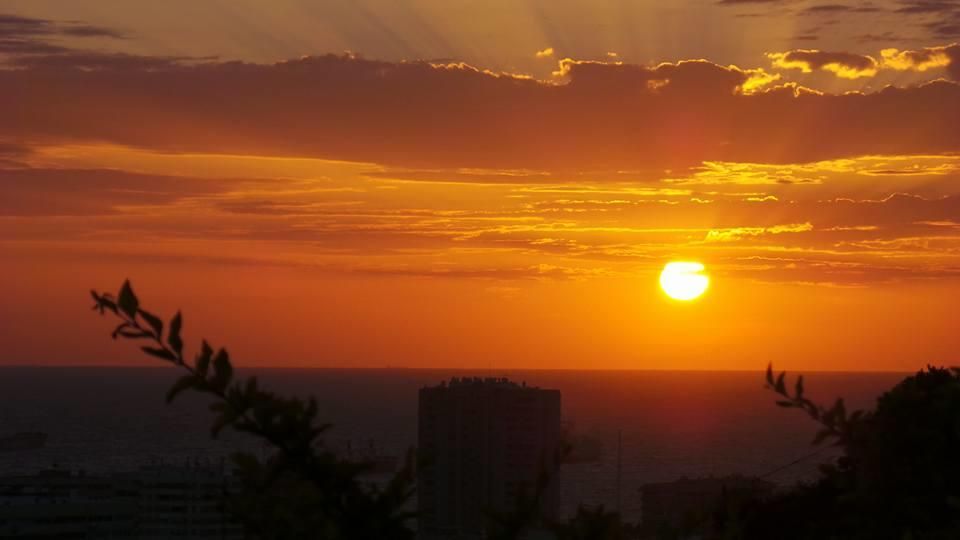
[
  {"x": 751, "y": 2},
  {"x": 891, "y": 215},
  {"x": 86, "y": 30},
  {"x": 15, "y": 25},
  {"x": 827, "y": 8},
  {"x": 523, "y": 177},
  {"x": 923, "y": 7},
  {"x": 798, "y": 269},
  {"x": 20, "y": 46},
  {"x": 496, "y": 273},
  {"x": 885, "y": 37},
  {"x": 428, "y": 116},
  {"x": 946, "y": 28},
  {"x": 23, "y": 37},
  {"x": 89, "y": 60},
  {"x": 831, "y": 9},
  {"x": 84, "y": 192},
  {"x": 12, "y": 153},
  {"x": 942, "y": 16},
  {"x": 18, "y": 26},
  {"x": 467, "y": 177},
  {"x": 12, "y": 149}
]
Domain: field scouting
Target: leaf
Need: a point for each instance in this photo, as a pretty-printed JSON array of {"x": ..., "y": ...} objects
[
  {"x": 770, "y": 373},
  {"x": 128, "y": 331},
  {"x": 227, "y": 417},
  {"x": 183, "y": 383},
  {"x": 133, "y": 333},
  {"x": 155, "y": 323},
  {"x": 174, "y": 339},
  {"x": 841, "y": 410},
  {"x": 780, "y": 386},
  {"x": 799, "y": 387},
  {"x": 222, "y": 369},
  {"x": 822, "y": 435},
  {"x": 159, "y": 353},
  {"x": 116, "y": 331},
  {"x": 203, "y": 359},
  {"x": 102, "y": 302},
  {"x": 127, "y": 300}
]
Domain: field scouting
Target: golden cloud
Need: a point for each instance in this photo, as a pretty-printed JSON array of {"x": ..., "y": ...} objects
[
  {"x": 842, "y": 64},
  {"x": 545, "y": 53}
]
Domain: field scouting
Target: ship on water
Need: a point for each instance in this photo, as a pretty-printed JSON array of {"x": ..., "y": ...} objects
[{"x": 19, "y": 442}]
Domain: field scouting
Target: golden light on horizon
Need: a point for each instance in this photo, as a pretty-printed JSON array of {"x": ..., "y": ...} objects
[{"x": 684, "y": 280}]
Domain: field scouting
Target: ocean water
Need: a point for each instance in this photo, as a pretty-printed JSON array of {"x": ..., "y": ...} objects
[{"x": 671, "y": 424}]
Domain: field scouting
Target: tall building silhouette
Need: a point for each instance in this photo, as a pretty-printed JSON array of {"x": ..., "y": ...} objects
[{"x": 483, "y": 441}]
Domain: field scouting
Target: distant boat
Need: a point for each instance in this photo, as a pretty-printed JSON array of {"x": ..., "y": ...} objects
[{"x": 19, "y": 442}]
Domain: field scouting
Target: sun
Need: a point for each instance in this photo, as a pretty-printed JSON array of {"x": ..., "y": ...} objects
[{"x": 684, "y": 280}]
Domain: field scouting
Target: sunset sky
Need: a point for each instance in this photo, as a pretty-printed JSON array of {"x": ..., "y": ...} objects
[{"x": 486, "y": 184}]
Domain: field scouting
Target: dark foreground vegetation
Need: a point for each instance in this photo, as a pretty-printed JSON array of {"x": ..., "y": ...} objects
[{"x": 897, "y": 478}]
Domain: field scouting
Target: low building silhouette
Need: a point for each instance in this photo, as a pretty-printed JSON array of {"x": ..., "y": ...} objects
[
  {"x": 686, "y": 505},
  {"x": 483, "y": 442},
  {"x": 152, "y": 503},
  {"x": 61, "y": 504}
]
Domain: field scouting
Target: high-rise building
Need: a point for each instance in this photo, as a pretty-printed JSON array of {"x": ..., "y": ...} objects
[{"x": 483, "y": 442}]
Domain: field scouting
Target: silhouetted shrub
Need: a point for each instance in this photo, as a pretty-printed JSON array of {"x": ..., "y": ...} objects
[
  {"x": 898, "y": 476},
  {"x": 300, "y": 491}
]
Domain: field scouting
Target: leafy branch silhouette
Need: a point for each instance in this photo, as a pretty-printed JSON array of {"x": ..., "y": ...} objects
[
  {"x": 835, "y": 422},
  {"x": 303, "y": 490},
  {"x": 897, "y": 476}
]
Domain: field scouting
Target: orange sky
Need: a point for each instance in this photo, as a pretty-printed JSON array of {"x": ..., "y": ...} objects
[{"x": 488, "y": 185}]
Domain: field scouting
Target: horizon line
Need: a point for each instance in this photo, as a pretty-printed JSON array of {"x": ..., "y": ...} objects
[{"x": 476, "y": 369}]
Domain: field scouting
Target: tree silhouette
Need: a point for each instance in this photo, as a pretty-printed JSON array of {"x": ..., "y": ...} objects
[
  {"x": 898, "y": 477},
  {"x": 299, "y": 492}
]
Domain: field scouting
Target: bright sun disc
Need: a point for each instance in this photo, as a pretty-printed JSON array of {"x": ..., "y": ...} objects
[{"x": 684, "y": 280}]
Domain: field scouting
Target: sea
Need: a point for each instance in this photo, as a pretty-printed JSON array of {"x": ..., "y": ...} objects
[{"x": 654, "y": 426}]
